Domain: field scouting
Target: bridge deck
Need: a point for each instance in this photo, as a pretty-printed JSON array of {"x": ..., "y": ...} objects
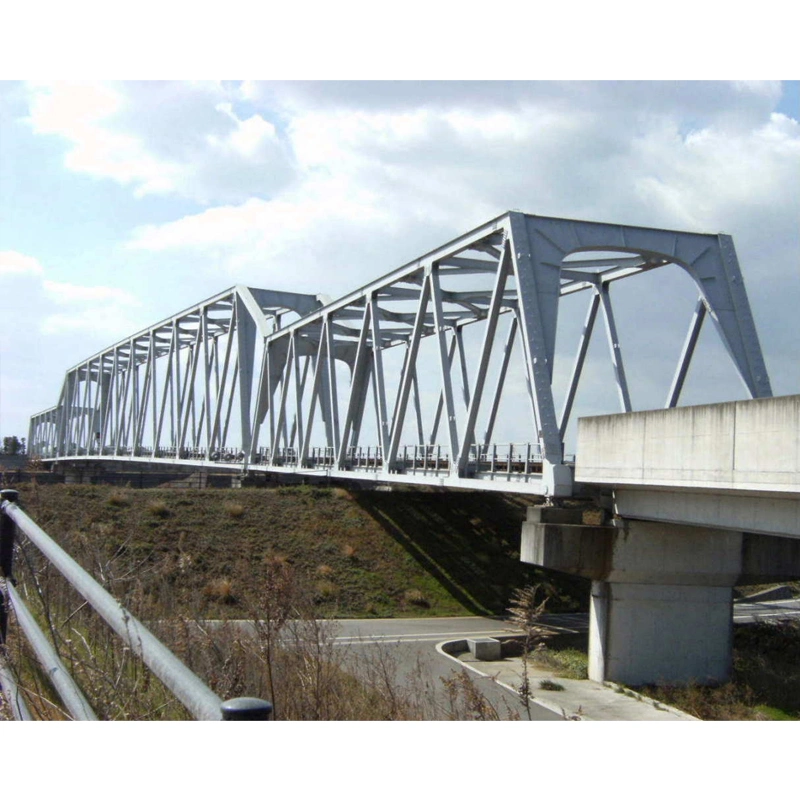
[{"x": 727, "y": 465}]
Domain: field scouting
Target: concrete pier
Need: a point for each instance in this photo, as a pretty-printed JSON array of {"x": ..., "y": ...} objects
[{"x": 661, "y": 605}]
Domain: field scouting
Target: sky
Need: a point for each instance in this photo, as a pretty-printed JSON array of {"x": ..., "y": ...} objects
[{"x": 122, "y": 203}]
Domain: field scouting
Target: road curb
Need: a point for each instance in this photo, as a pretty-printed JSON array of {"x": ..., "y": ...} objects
[
  {"x": 461, "y": 646},
  {"x": 450, "y": 649}
]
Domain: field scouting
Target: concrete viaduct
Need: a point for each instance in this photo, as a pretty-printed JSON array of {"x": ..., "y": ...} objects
[{"x": 694, "y": 501}]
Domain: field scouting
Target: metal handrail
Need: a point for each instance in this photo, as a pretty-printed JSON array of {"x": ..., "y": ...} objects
[
  {"x": 198, "y": 699},
  {"x": 74, "y": 699}
]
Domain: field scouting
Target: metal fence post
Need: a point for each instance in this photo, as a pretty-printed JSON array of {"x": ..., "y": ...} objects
[
  {"x": 240, "y": 709},
  {"x": 7, "y": 529}
]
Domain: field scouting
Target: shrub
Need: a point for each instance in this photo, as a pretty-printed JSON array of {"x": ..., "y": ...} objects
[
  {"x": 220, "y": 590},
  {"x": 234, "y": 510},
  {"x": 348, "y": 551},
  {"x": 158, "y": 508},
  {"x": 118, "y": 499},
  {"x": 415, "y": 597},
  {"x": 325, "y": 590}
]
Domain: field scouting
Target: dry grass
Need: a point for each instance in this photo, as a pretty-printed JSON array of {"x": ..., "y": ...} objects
[
  {"x": 118, "y": 499},
  {"x": 415, "y": 597},
  {"x": 463, "y": 558},
  {"x": 184, "y": 556},
  {"x": 286, "y": 655},
  {"x": 233, "y": 510},
  {"x": 765, "y": 684},
  {"x": 221, "y": 591},
  {"x": 348, "y": 551},
  {"x": 158, "y": 508}
]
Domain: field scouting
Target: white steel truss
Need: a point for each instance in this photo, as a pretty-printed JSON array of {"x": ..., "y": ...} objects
[{"x": 229, "y": 382}]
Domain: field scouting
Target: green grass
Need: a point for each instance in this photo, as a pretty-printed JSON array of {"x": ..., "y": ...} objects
[
  {"x": 362, "y": 553},
  {"x": 765, "y": 684},
  {"x": 568, "y": 663}
]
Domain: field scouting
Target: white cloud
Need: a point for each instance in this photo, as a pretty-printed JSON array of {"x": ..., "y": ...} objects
[
  {"x": 102, "y": 310},
  {"x": 321, "y": 187},
  {"x": 72, "y": 294},
  {"x": 376, "y": 186},
  {"x": 163, "y": 138},
  {"x": 13, "y": 263}
]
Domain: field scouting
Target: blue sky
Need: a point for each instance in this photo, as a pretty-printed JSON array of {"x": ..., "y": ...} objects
[{"x": 122, "y": 203}]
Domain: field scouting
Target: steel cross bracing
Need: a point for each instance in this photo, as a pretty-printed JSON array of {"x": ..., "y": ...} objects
[{"x": 390, "y": 383}]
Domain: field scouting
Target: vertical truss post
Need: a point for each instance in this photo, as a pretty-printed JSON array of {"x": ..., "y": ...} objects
[
  {"x": 538, "y": 286},
  {"x": 222, "y": 383},
  {"x": 152, "y": 367},
  {"x": 451, "y": 351},
  {"x": 283, "y": 402},
  {"x": 299, "y": 387},
  {"x": 330, "y": 389},
  {"x": 245, "y": 349},
  {"x": 316, "y": 386},
  {"x": 166, "y": 395},
  {"x": 189, "y": 387},
  {"x": 359, "y": 378},
  {"x": 63, "y": 414},
  {"x": 459, "y": 340},
  {"x": 380, "y": 387},
  {"x": 501, "y": 378},
  {"x": 408, "y": 377},
  {"x": 106, "y": 399},
  {"x": 417, "y": 407}
]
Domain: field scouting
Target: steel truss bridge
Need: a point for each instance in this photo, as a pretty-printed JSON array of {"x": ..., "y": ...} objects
[{"x": 402, "y": 380}]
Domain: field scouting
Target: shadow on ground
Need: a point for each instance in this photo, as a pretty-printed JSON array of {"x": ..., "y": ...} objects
[{"x": 469, "y": 542}]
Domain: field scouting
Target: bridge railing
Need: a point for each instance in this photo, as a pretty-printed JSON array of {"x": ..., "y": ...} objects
[{"x": 201, "y": 702}]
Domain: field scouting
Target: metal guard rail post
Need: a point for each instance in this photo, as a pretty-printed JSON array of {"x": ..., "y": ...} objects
[{"x": 198, "y": 699}]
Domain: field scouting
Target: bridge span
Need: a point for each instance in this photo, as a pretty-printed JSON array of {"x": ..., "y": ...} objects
[{"x": 409, "y": 378}]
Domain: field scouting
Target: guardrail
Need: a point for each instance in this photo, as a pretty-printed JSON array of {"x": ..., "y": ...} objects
[{"x": 194, "y": 695}]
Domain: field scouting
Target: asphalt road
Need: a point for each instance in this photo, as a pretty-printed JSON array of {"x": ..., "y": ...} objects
[
  {"x": 409, "y": 648},
  {"x": 775, "y": 609},
  {"x": 406, "y": 649},
  {"x": 411, "y": 644}
]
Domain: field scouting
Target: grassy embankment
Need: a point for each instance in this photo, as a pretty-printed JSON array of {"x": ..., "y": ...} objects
[
  {"x": 285, "y": 556},
  {"x": 205, "y": 553},
  {"x": 194, "y": 554}
]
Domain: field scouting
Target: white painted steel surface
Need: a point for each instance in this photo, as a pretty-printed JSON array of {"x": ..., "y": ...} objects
[{"x": 384, "y": 384}]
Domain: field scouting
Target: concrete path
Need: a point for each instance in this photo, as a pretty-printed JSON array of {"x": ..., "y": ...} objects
[{"x": 577, "y": 700}]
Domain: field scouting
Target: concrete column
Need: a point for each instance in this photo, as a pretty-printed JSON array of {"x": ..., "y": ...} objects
[
  {"x": 661, "y": 605},
  {"x": 652, "y": 633},
  {"x": 664, "y": 611}
]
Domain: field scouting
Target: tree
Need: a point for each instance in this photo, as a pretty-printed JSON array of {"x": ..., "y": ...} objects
[{"x": 13, "y": 446}]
